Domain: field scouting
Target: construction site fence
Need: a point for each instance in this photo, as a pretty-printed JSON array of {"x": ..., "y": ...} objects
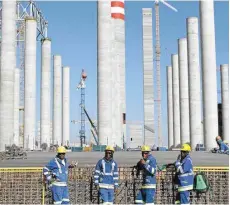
[{"x": 26, "y": 186}]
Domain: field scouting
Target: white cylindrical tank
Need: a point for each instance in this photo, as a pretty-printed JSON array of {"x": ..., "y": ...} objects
[
  {"x": 208, "y": 59},
  {"x": 45, "y": 92},
  {"x": 30, "y": 83},
  {"x": 176, "y": 100},
  {"x": 196, "y": 135},
  {"x": 57, "y": 100},
  {"x": 184, "y": 98},
  {"x": 16, "y": 106},
  {"x": 66, "y": 106},
  {"x": 170, "y": 106},
  {"x": 225, "y": 100},
  {"x": 8, "y": 65},
  {"x": 104, "y": 73}
]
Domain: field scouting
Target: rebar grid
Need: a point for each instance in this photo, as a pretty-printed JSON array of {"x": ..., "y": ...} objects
[{"x": 25, "y": 186}]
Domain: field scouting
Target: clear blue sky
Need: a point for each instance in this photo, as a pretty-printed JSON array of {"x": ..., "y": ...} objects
[{"x": 72, "y": 28}]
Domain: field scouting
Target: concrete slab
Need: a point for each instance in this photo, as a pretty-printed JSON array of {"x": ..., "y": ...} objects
[{"x": 39, "y": 159}]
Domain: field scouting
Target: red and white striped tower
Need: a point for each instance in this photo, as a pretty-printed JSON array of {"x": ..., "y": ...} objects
[
  {"x": 111, "y": 72},
  {"x": 118, "y": 9},
  {"x": 118, "y": 74}
]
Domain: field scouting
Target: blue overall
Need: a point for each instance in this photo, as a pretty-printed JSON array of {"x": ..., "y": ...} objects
[
  {"x": 185, "y": 177},
  {"x": 147, "y": 193},
  {"x": 56, "y": 174},
  {"x": 223, "y": 148},
  {"x": 106, "y": 177}
]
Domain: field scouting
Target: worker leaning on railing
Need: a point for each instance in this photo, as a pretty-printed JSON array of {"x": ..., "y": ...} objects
[{"x": 56, "y": 174}]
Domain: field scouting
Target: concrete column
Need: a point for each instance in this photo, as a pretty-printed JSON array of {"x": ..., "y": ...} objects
[
  {"x": 30, "y": 83},
  {"x": 176, "y": 100},
  {"x": 225, "y": 100},
  {"x": 184, "y": 99},
  {"x": 104, "y": 73},
  {"x": 116, "y": 136},
  {"x": 16, "y": 106},
  {"x": 57, "y": 100},
  {"x": 196, "y": 135},
  {"x": 208, "y": 59},
  {"x": 66, "y": 106},
  {"x": 8, "y": 64},
  {"x": 170, "y": 106},
  {"x": 45, "y": 92},
  {"x": 118, "y": 19},
  {"x": 149, "y": 137}
]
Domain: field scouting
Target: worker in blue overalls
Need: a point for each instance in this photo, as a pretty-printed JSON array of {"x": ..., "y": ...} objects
[
  {"x": 223, "y": 148},
  {"x": 106, "y": 176},
  {"x": 184, "y": 175},
  {"x": 56, "y": 173},
  {"x": 148, "y": 165}
]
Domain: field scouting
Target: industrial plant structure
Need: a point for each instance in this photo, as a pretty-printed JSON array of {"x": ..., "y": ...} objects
[{"x": 190, "y": 118}]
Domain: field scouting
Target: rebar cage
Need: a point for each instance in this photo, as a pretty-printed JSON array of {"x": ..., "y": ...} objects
[{"x": 26, "y": 186}]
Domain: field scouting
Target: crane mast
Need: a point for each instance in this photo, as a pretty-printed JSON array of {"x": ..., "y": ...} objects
[{"x": 158, "y": 74}]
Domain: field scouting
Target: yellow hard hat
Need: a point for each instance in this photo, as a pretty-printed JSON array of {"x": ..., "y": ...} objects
[
  {"x": 145, "y": 148},
  {"x": 61, "y": 149},
  {"x": 109, "y": 148},
  {"x": 186, "y": 147}
]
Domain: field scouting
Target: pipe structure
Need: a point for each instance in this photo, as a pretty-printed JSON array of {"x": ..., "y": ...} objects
[
  {"x": 224, "y": 70},
  {"x": 66, "y": 106},
  {"x": 196, "y": 134},
  {"x": 208, "y": 59},
  {"x": 8, "y": 65},
  {"x": 30, "y": 83},
  {"x": 118, "y": 74},
  {"x": 183, "y": 89},
  {"x": 149, "y": 136},
  {"x": 16, "y": 106},
  {"x": 170, "y": 107},
  {"x": 104, "y": 73},
  {"x": 45, "y": 93},
  {"x": 176, "y": 100},
  {"x": 57, "y": 100}
]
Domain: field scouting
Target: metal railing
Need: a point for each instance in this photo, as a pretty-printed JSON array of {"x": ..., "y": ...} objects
[{"x": 25, "y": 186}]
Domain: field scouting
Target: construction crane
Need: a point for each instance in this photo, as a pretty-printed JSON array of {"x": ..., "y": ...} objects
[
  {"x": 158, "y": 68},
  {"x": 93, "y": 127},
  {"x": 82, "y": 86}
]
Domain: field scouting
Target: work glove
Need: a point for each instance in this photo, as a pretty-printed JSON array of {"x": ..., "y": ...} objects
[{"x": 177, "y": 163}]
